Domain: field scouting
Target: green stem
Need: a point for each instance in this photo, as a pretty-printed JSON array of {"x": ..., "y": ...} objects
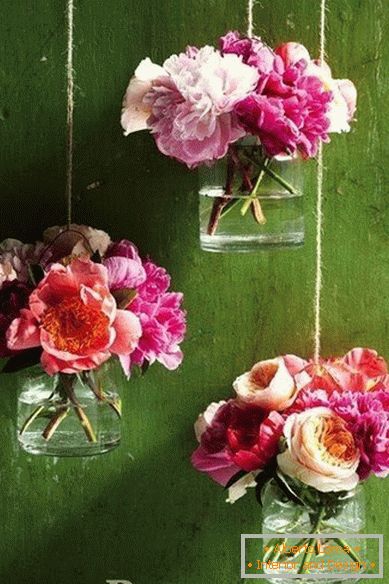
[
  {"x": 55, "y": 421},
  {"x": 31, "y": 418},
  {"x": 281, "y": 181},
  {"x": 344, "y": 544},
  {"x": 274, "y": 175},
  {"x": 277, "y": 554},
  {"x": 229, "y": 207},
  {"x": 79, "y": 410},
  {"x": 99, "y": 393},
  {"x": 270, "y": 548},
  {"x": 253, "y": 195},
  {"x": 311, "y": 544},
  {"x": 288, "y": 556}
]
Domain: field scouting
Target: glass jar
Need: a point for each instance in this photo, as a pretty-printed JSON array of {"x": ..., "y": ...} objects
[
  {"x": 282, "y": 515},
  {"x": 249, "y": 202},
  {"x": 69, "y": 414}
]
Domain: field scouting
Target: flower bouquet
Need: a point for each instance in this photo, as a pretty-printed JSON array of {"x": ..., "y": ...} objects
[
  {"x": 69, "y": 307},
  {"x": 304, "y": 436},
  {"x": 246, "y": 114}
]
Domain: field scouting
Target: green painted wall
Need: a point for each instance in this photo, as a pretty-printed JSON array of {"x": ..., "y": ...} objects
[{"x": 142, "y": 513}]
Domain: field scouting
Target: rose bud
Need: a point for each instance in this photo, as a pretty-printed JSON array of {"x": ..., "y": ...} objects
[
  {"x": 321, "y": 451},
  {"x": 268, "y": 385}
]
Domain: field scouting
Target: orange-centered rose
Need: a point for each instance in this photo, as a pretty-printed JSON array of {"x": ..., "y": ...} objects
[
  {"x": 321, "y": 451},
  {"x": 73, "y": 316},
  {"x": 268, "y": 385}
]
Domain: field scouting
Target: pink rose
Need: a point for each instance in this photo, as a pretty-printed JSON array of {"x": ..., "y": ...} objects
[
  {"x": 74, "y": 318},
  {"x": 268, "y": 385},
  {"x": 321, "y": 451}
]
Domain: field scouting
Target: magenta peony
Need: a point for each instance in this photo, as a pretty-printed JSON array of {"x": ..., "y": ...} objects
[{"x": 288, "y": 111}]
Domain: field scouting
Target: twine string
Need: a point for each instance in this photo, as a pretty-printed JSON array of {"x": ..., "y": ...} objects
[
  {"x": 70, "y": 111},
  {"x": 319, "y": 190},
  {"x": 319, "y": 211},
  {"x": 250, "y": 18}
]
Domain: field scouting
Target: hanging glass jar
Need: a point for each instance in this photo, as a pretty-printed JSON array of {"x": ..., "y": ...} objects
[
  {"x": 250, "y": 202},
  {"x": 340, "y": 515},
  {"x": 69, "y": 414}
]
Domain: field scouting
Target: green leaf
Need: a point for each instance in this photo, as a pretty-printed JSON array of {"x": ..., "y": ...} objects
[
  {"x": 96, "y": 257},
  {"x": 263, "y": 477},
  {"x": 124, "y": 297},
  {"x": 36, "y": 273},
  {"x": 287, "y": 489},
  {"x": 22, "y": 360},
  {"x": 145, "y": 367},
  {"x": 234, "y": 479}
]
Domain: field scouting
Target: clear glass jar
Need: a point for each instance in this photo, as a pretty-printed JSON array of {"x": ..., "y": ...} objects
[
  {"x": 69, "y": 415},
  {"x": 249, "y": 202},
  {"x": 281, "y": 515}
]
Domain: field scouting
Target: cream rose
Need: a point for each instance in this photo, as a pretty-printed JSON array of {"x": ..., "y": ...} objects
[
  {"x": 321, "y": 451},
  {"x": 268, "y": 385}
]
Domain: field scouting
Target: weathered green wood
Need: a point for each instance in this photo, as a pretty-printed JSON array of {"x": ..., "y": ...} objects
[{"x": 142, "y": 513}]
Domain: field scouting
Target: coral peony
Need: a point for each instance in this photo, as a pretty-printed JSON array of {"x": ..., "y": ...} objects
[{"x": 73, "y": 317}]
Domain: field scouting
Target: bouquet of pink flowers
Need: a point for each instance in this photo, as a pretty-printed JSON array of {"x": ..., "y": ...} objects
[
  {"x": 77, "y": 299},
  {"x": 201, "y": 103},
  {"x": 317, "y": 430}
]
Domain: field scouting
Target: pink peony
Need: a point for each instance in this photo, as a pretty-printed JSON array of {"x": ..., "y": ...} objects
[
  {"x": 74, "y": 318},
  {"x": 13, "y": 298},
  {"x": 192, "y": 104},
  {"x": 163, "y": 329},
  {"x": 159, "y": 311},
  {"x": 156, "y": 283},
  {"x": 125, "y": 268},
  {"x": 238, "y": 438}
]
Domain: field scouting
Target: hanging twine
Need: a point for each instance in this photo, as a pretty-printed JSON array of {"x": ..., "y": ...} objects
[
  {"x": 250, "y": 18},
  {"x": 319, "y": 211},
  {"x": 319, "y": 188},
  {"x": 70, "y": 111}
]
